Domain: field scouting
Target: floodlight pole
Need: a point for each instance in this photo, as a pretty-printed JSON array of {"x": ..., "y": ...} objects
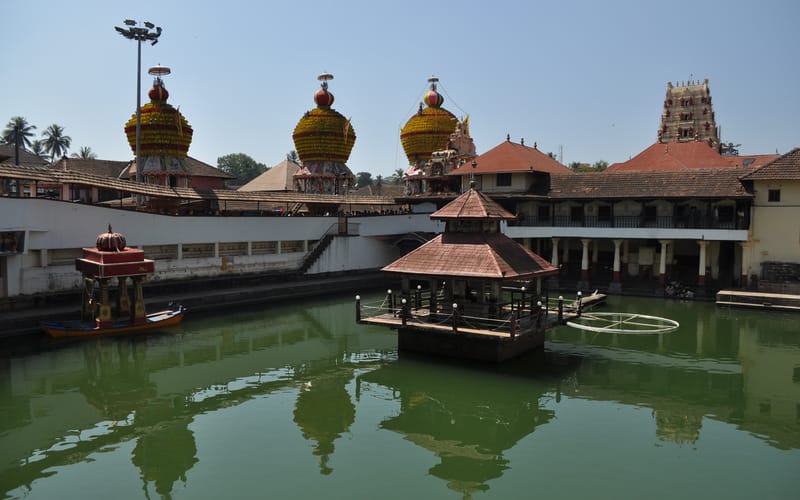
[{"x": 140, "y": 34}]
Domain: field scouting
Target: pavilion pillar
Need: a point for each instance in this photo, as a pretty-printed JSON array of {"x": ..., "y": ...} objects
[
  {"x": 138, "y": 301},
  {"x": 662, "y": 262},
  {"x": 432, "y": 282},
  {"x": 585, "y": 259},
  {"x": 123, "y": 300},
  {"x": 103, "y": 318},
  {"x": 554, "y": 258},
  {"x": 701, "y": 266}
]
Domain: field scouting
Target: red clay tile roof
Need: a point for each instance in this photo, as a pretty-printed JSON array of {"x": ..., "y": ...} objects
[
  {"x": 752, "y": 161},
  {"x": 105, "y": 168},
  {"x": 493, "y": 256},
  {"x": 786, "y": 167},
  {"x": 25, "y": 156},
  {"x": 675, "y": 156},
  {"x": 472, "y": 205},
  {"x": 699, "y": 183},
  {"x": 512, "y": 157}
]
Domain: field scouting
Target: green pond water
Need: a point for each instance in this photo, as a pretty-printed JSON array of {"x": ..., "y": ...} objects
[{"x": 295, "y": 400}]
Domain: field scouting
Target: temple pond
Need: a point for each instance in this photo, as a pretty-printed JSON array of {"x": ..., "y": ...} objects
[{"x": 297, "y": 401}]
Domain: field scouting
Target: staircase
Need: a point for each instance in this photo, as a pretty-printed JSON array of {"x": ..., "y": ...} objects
[{"x": 315, "y": 253}]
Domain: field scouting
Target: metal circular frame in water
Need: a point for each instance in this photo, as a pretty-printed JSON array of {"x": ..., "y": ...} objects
[{"x": 615, "y": 323}]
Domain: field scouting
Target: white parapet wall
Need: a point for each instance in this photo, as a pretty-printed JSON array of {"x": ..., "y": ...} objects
[{"x": 187, "y": 247}]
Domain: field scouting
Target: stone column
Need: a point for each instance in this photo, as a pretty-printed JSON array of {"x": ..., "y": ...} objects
[
  {"x": 526, "y": 242},
  {"x": 662, "y": 262},
  {"x": 104, "y": 311},
  {"x": 554, "y": 258},
  {"x": 745, "y": 273},
  {"x": 701, "y": 267},
  {"x": 585, "y": 259},
  {"x": 123, "y": 301},
  {"x": 626, "y": 249},
  {"x": 138, "y": 315},
  {"x": 616, "y": 268}
]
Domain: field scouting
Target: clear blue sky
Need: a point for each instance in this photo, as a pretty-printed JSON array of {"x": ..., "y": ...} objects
[{"x": 586, "y": 76}]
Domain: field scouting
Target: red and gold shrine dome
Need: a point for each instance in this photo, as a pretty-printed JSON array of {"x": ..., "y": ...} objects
[
  {"x": 323, "y": 139},
  {"x": 164, "y": 136},
  {"x": 429, "y": 129}
]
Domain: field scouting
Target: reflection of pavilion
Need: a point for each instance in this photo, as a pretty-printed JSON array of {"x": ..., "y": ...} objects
[
  {"x": 463, "y": 419},
  {"x": 324, "y": 411}
]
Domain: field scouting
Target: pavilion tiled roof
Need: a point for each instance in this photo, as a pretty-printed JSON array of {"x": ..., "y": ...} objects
[
  {"x": 786, "y": 167},
  {"x": 509, "y": 157},
  {"x": 478, "y": 255},
  {"x": 472, "y": 205},
  {"x": 675, "y": 156},
  {"x": 697, "y": 183}
]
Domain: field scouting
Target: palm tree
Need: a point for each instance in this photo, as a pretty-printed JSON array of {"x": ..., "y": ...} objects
[
  {"x": 55, "y": 142},
  {"x": 85, "y": 153},
  {"x": 38, "y": 148},
  {"x": 25, "y": 131}
]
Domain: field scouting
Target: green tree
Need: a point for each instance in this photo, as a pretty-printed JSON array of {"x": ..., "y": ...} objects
[
  {"x": 363, "y": 179},
  {"x": 38, "y": 148},
  {"x": 25, "y": 132},
  {"x": 575, "y": 165},
  {"x": 85, "y": 153},
  {"x": 55, "y": 142},
  {"x": 600, "y": 165},
  {"x": 242, "y": 166},
  {"x": 396, "y": 177},
  {"x": 293, "y": 157}
]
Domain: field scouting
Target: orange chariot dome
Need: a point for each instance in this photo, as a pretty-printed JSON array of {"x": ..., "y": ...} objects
[{"x": 429, "y": 129}]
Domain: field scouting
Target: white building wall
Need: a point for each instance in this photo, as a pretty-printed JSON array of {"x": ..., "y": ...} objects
[{"x": 56, "y": 228}]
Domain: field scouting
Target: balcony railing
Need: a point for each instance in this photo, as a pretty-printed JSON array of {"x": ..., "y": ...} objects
[{"x": 632, "y": 221}]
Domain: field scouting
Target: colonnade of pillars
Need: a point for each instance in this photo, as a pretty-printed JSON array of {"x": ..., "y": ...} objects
[
  {"x": 97, "y": 307},
  {"x": 560, "y": 256}
]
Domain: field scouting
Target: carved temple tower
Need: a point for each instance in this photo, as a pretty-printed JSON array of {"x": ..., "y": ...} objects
[{"x": 688, "y": 115}]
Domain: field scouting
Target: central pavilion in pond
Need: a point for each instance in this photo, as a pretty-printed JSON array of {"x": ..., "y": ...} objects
[{"x": 478, "y": 303}]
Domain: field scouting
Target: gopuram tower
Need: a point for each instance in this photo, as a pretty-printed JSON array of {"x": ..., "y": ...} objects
[{"x": 688, "y": 115}]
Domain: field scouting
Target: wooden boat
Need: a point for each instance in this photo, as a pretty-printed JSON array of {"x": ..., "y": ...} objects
[{"x": 77, "y": 328}]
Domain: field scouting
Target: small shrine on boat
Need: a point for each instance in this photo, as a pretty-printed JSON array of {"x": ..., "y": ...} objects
[
  {"x": 477, "y": 292},
  {"x": 164, "y": 138},
  {"x": 435, "y": 143},
  {"x": 323, "y": 139},
  {"x": 113, "y": 259}
]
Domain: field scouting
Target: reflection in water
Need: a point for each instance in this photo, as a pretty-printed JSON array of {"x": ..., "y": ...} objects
[
  {"x": 466, "y": 418},
  {"x": 324, "y": 411},
  {"x": 165, "y": 450},
  {"x": 75, "y": 404},
  {"x": 116, "y": 381}
]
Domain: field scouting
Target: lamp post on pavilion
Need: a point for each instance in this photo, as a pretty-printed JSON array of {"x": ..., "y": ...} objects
[{"x": 140, "y": 34}]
